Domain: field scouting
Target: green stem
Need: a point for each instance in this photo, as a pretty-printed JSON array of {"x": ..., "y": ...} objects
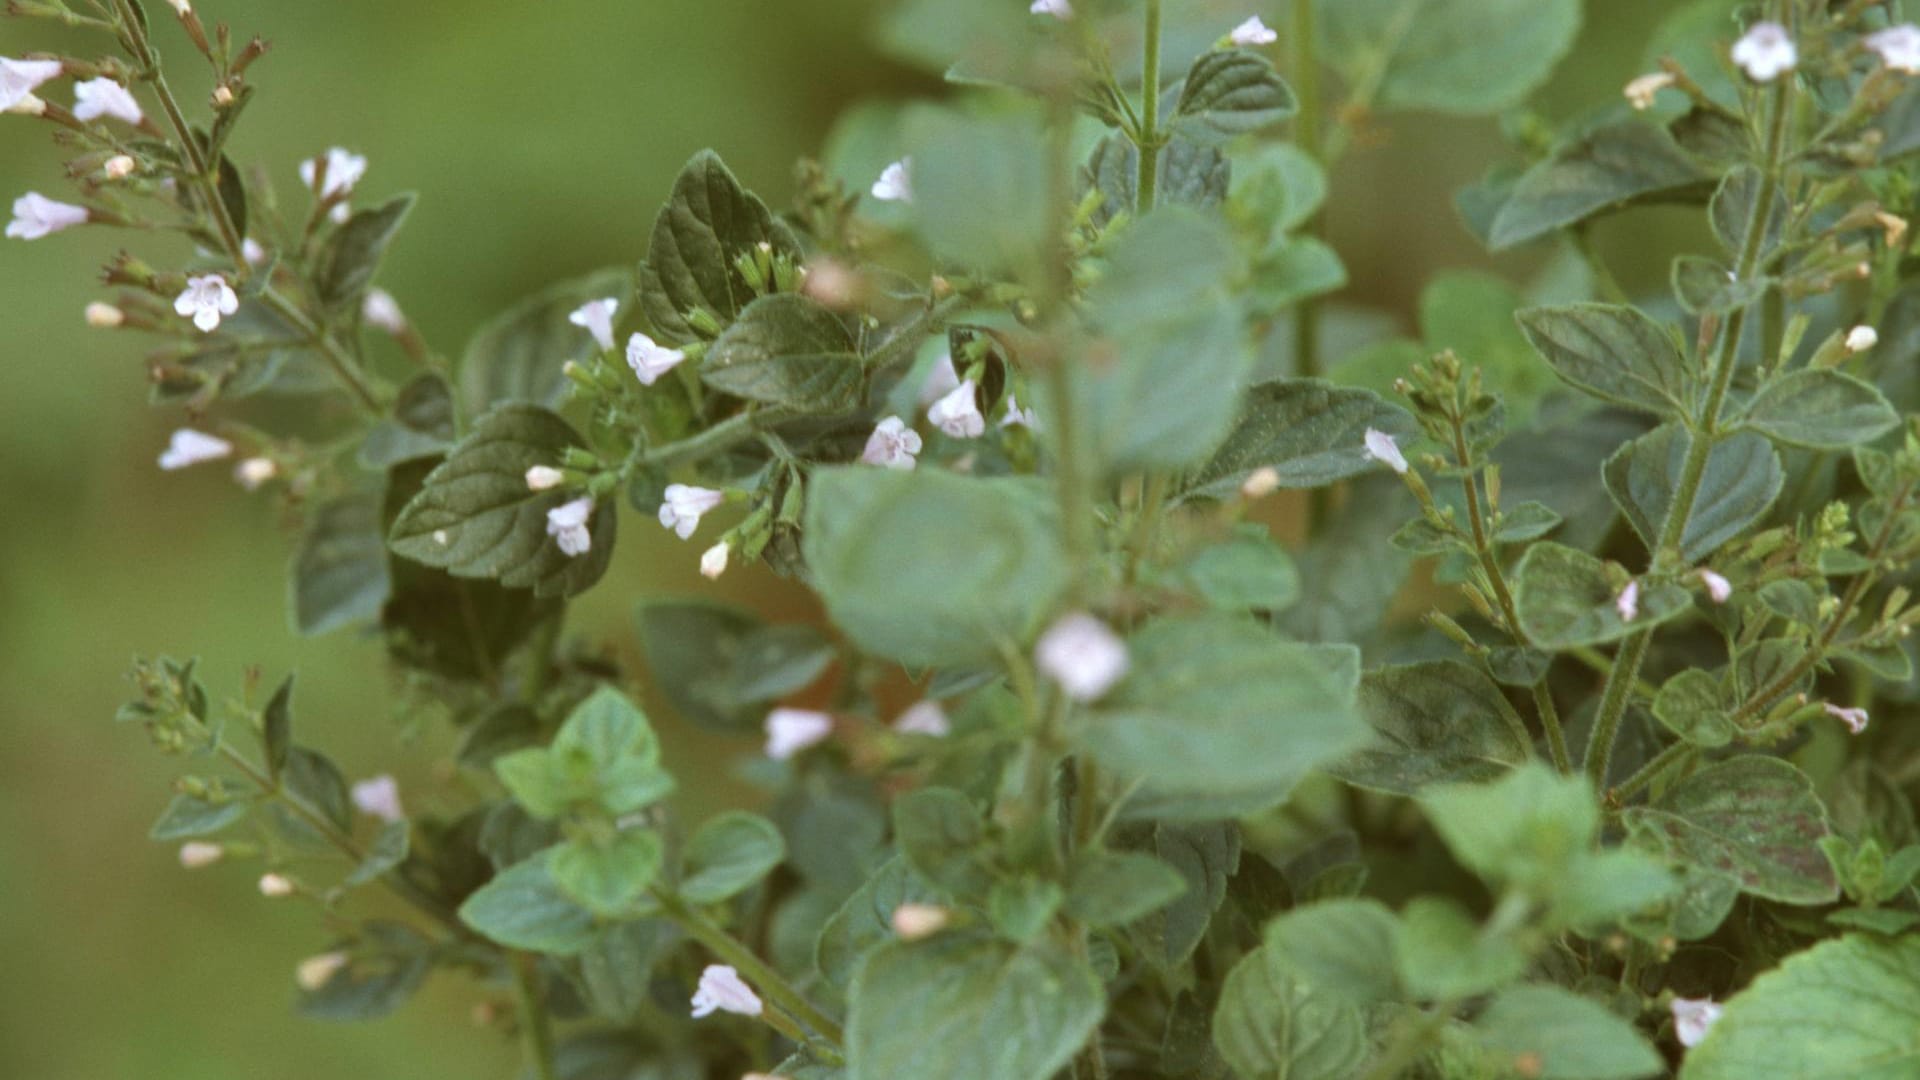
[
  {"x": 1146, "y": 187},
  {"x": 1410, "y": 1043},
  {"x": 536, "y": 1031},
  {"x": 1307, "y": 135},
  {"x": 1651, "y": 771},
  {"x": 763, "y": 978}
]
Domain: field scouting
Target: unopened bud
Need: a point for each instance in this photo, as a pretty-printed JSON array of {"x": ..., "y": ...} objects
[
  {"x": 1861, "y": 338},
  {"x": 1261, "y": 483},
  {"x": 119, "y": 167},
  {"x": 1895, "y": 226},
  {"x": 915, "y": 921},
  {"x": 255, "y": 471},
  {"x": 544, "y": 478},
  {"x": 104, "y": 316},
  {"x": 197, "y": 854},
  {"x": 29, "y": 105},
  {"x": 317, "y": 971},
  {"x": 181, "y": 8},
  {"x": 276, "y": 886},
  {"x": 222, "y": 97}
]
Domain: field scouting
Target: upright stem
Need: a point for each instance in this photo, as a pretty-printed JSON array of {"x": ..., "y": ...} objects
[
  {"x": 1146, "y": 189},
  {"x": 1307, "y": 135},
  {"x": 536, "y": 1031}
]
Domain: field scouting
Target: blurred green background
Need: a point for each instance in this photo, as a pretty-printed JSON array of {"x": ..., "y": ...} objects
[{"x": 541, "y": 137}]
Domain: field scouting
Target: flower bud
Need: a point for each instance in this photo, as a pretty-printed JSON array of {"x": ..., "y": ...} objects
[
  {"x": 222, "y": 97},
  {"x": 1861, "y": 338},
  {"x": 276, "y": 886},
  {"x": 713, "y": 562},
  {"x": 119, "y": 167},
  {"x": 254, "y": 472},
  {"x": 198, "y": 854},
  {"x": 104, "y": 316},
  {"x": 915, "y": 921},
  {"x": 1261, "y": 483},
  {"x": 317, "y": 971},
  {"x": 544, "y": 478}
]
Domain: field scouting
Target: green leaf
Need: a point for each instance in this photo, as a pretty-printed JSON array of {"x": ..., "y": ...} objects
[
  {"x": 709, "y": 221},
  {"x": 1444, "y": 955},
  {"x": 315, "y": 778},
  {"x": 1820, "y": 409},
  {"x": 1527, "y": 828},
  {"x": 1278, "y": 186},
  {"x": 1704, "y": 287},
  {"x": 608, "y": 877},
  {"x": 353, "y": 253},
  {"x": 605, "y": 754},
  {"x": 1566, "y": 1036},
  {"x": 339, "y": 574},
  {"x": 1613, "y": 353},
  {"x": 1248, "y": 571},
  {"x": 476, "y": 517},
  {"x": 925, "y": 1009},
  {"x": 1191, "y": 174},
  {"x": 942, "y": 835},
  {"x": 389, "y": 964},
  {"x": 1472, "y": 314},
  {"x": 787, "y": 350},
  {"x": 980, "y": 187},
  {"x": 1608, "y": 168},
  {"x": 1294, "y": 269},
  {"x": 1848, "y": 1007},
  {"x": 1755, "y": 819},
  {"x": 1526, "y": 521},
  {"x": 188, "y": 816},
  {"x": 931, "y": 568},
  {"x": 388, "y": 850},
  {"x": 1271, "y": 1025},
  {"x": 1114, "y": 888},
  {"x": 1742, "y": 478},
  {"x": 1731, "y": 211},
  {"x": 616, "y": 970},
  {"x": 1343, "y": 947},
  {"x": 1466, "y": 57},
  {"x": 1021, "y": 907},
  {"x": 519, "y": 356},
  {"x": 276, "y": 728},
  {"x": 865, "y": 921},
  {"x": 1207, "y": 855},
  {"x": 720, "y": 667},
  {"x": 1693, "y": 705},
  {"x": 1232, "y": 92},
  {"x": 1224, "y": 710},
  {"x": 1433, "y": 722},
  {"x": 1308, "y": 431},
  {"x": 422, "y": 425},
  {"x": 1565, "y": 599},
  {"x": 523, "y": 907},
  {"x": 728, "y": 855}
]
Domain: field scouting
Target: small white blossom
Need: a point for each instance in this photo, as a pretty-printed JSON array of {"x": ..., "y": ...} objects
[
  {"x": 1261, "y": 482},
  {"x": 958, "y": 414},
  {"x": 567, "y": 524},
  {"x": 198, "y": 854},
  {"x": 1640, "y": 92},
  {"x": 596, "y": 317},
  {"x": 1083, "y": 655},
  {"x": 1855, "y": 719},
  {"x": 344, "y": 171},
  {"x": 713, "y": 561},
  {"x": 251, "y": 251},
  {"x": 315, "y": 972},
  {"x": 790, "y": 731},
  {"x": 892, "y": 445},
  {"x": 1379, "y": 446},
  {"x": 1253, "y": 32},
  {"x": 1691, "y": 1019},
  {"x": 1766, "y": 52},
  {"x": 722, "y": 989},
  {"x": 340, "y": 214},
  {"x": 382, "y": 312},
  {"x": 442, "y": 537},
  {"x": 544, "y": 478},
  {"x": 1059, "y": 9},
  {"x": 254, "y": 472},
  {"x": 96, "y": 98},
  {"x": 912, "y": 922},
  {"x": 1719, "y": 588},
  {"x": 119, "y": 167},
  {"x": 924, "y": 718},
  {"x": 379, "y": 796},
  {"x": 276, "y": 886},
  {"x": 649, "y": 359},
  {"x": 1898, "y": 46},
  {"x": 1019, "y": 417},
  {"x": 205, "y": 300},
  {"x": 190, "y": 447},
  {"x": 104, "y": 316},
  {"x": 20, "y": 78},
  {"x": 1862, "y": 338},
  {"x": 940, "y": 380},
  {"x": 36, "y": 216},
  {"x": 222, "y": 97},
  {"x": 895, "y": 183},
  {"x": 684, "y": 506},
  {"x": 1628, "y": 602}
]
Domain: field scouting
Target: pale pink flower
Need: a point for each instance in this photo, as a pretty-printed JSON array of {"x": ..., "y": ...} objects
[
  {"x": 790, "y": 731},
  {"x": 685, "y": 505},
  {"x": 205, "y": 300},
  {"x": 958, "y": 414},
  {"x": 379, "y": 796},
  {"x": 1379, "y": 446},
  {"x": 892, "y": 445},
  {"x": 722, "y": 990},
  {"x": 1083, "y": 655},
  {"x": 96, "y": 98},
  {"x": 189, "y": 447},
  {"x": 36, "y": 216},
  {"x": 924, "y": 718},
  {"x": 1766, "y": 52},
  {"x": 567, "y": 524},
  {"x": 1691, "y": 1019},
  {"x": 1855, "y": 719}
]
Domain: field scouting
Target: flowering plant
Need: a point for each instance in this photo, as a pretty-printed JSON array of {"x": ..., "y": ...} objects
[{"x": 1091, "y": 775}]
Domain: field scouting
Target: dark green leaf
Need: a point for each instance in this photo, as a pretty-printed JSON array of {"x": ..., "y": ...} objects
[
  {"x": 720, "y": 667},
  {"x": 524, "y": 908},
  {"x": 1433, "y": 722},
  {"x": 942, "y": 836},
  {"x": 1753, "y": 818},
  {"x": 422, "y": 425},
  {"x": 276, "y": 728},
  {"x": 353, "y": 253},
  {"x": 1113, "y": 888},
  {"x": 1566, "y": 599},
  {"x": 1705, "y": 287},
  {"x": 519, "y": 355},
  {"x": 865, "y": 921},
  {"x": 1742, "y": 478},
  {"x": 340, "y": 570},
  {"x": 1614, "y": 353},
  {"x": 1191, "y": 174},
  {"x": 1605, "y": 169},
  {"x": 1233, "y": 91},
  {"x": 1693, "y": 705},
  {"x": 708, "y": 221},
  {"x": 388, "y": 850},
  {"x": 789, "y": 351},
  {"x": 1308, "y": 431},
  {"x": 188, "y": 816},
  {"x": 1820, "y": 409}
]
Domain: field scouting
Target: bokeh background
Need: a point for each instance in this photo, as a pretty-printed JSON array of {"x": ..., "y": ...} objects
[{"x": 541, "y": 138}]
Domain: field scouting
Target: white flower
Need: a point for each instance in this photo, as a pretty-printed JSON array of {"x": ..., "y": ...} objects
[
  {"x": 1862, "y": 338},
  {"x": 721, "y": 988},
  {"x": 35, "y": 216},
  {"x": 1691, "y": 1019},
  {"x": 205, "y": 300},
  {"x": 344, "y": 170},
  {"x": 713, "y": 561},
  {"x": 1083, "y": 655},
  {"x": 544, "y": 478},
  {"x": 340, "y": 214},
  {"x": 790, "y": 731},
  {"x": 1898, "y": 46},
  {"x": 198, "y": 854},
  {"x": 892, "y": 445},
  {"x": 96, "y": 98},
  {"x": 1641, "y": 92},
  {"x": 251, "y": 251},
  {"x": 20, "y": 78},
  {"x": 1765, "y": 52},
  {"x": 1253, "y": 32},
  {"x": 382, "y": 312},
  {"x": 925, "y": 718},
  {"x": 254, "y": 472},
  {"x": 649, "y": 359},
  {"x": 1261, "y": 482},
  {"x": 190, "y": 447},
  {"x": 119, "y": 167},
  {"x": 104, "y": 316},
  {"x": 684, "y": 506},
  {"x": 596, "y": 316},
  {"x": 940, "y": 381},
  {"x": 915, "y": 921},
  {"x": 1855, "y": 719},
  {"x": 316, "y": 972},
  {"x": 379, "y": 796},
  {"x": 567, "y": 524},
  {"x": 1059, "y": 9},
  {"x": 1381, "y": 447},
  {"x": 1628, "y": 602},
  {"x": 1719, "y": 588},
  {"x": 276, "y": 886},
  {"x": 895, "y": 183},
  {"x": 1019, "y": 417},
  {"x": 958, "y": 414}
]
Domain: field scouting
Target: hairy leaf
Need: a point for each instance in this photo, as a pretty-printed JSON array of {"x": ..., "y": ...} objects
[
  {"x": 1755, "y": 819},
  {"x": 1308, "y": 431},
  {"x": 789, "y": 351},
  {"x": 1433, "y": 722},
  {"x": 1741, "y": 481},
  {"x": 709, "y": 220}
]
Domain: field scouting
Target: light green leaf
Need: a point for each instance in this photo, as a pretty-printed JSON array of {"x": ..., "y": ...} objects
[
  {"x": 942, "y": 836},
  {"x": 1569, "y": 1037},
  {"x": 524, "y": 908},
  {"x": 1433, "y": 722},
  {"x": 720, "y": 666},
  {"x": 1820, "y": 409},
  {"x": 1752, "y": 818},
  {"x": 709, "y": 221},
  {"x": 1525, "y": 829},
  {"x": 1248, "y": 571},
  {"x": 188, "y": 816},
  {"x": 1566, "y": 599},
  {"x": 353, "y": 253},
  {"x": 980, "y": 187},
  {"x": 1271, "y": 1025},
  {"x": 789, "y": 351},
  {"x": 519, "y": 355},
  {"x": 865, "y": 921},
  {"x": 728, "y": 855},
  {"x": 1113, "y": 888},
  {"x": 1343, "y": 947},
  {"x": 339, "y": 573},
  {"x": 1613, "y": 353},
  {"x": 1310, "y": 432},
  {"x": 1191, "y": 174},
  {"x": 1466, "y": 57},
  {"x": 1444, "y": 955},
  {"x": 1276, "y": 185},
  {"x": 1741, "y": 481},
  {"x": 1705, "y": 287},
  {"x": 1605, "y": 169},
  {"x": 608, "y": 877},
  {"x": 1232, "y": 92}
]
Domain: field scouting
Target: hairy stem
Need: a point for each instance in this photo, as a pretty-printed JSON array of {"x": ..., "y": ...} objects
[{"x": 536, "y": 1031}]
